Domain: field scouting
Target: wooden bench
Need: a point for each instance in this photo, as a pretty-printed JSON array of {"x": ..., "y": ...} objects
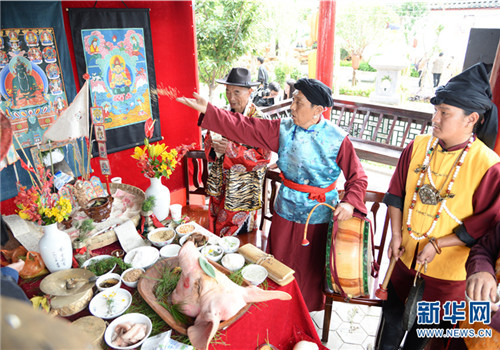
[{"x": 378, "y": 133}]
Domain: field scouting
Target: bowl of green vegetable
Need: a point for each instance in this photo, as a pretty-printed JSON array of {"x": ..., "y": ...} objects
[{"x": 100, "y": 264}]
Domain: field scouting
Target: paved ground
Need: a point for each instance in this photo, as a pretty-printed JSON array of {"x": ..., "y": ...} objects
[{"x": 354, "y": 327}]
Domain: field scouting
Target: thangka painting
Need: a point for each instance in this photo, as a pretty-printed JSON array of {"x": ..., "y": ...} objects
[
  {"x": 31, "y": 83},
  {"x": 114, "y": 47}
]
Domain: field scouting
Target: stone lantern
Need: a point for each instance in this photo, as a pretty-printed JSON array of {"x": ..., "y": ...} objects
[{"x": 388, "y": 78}]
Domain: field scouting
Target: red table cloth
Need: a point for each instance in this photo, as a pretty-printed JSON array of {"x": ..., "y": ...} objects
[{"x": 281, "y": 323}]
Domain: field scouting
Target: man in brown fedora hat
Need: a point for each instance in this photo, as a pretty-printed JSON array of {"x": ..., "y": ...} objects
[{"x": 237, "y": 171}]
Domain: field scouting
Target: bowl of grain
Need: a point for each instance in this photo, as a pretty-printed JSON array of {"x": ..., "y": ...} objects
[
  {"x": 160, "y": 237},
  {"x": 184, "y": 229},
  {"x": 131, "y": 276}
]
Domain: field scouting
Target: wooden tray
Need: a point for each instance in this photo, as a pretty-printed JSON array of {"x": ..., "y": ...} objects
[
  {"x": 147, "y": 283},
  {"x": 108, "y": 237}
]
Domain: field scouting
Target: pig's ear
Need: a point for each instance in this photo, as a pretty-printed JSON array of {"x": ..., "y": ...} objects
[
  {"x": 255, "y": 294},
  {"x": 203, "y": 330}
]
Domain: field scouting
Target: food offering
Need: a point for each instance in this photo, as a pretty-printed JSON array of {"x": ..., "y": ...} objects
[
  {"x": 110, "y": 304},
  {"x": 160, "y": 237},
  {"x": 128, "y": 331},
  {"x": 185, "y": 229},
  {"x": 142, "y": 257},
  {"x": 170, "y": 250},
  {"x": 103, "y": 264},
  {"x": 199, "y": 239},
  {"x": 108, "y": 282},
  {"x": 167, "y": 289},
  {"x": 131, "y": 276},
  {"x": 212, "y": 252},
  {"x": 230, "y": 244},
  {"x": 233, "y": 261},
  {"x": 254, "y": 274}
]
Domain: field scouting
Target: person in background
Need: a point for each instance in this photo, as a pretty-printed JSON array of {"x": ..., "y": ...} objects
[
  {"x": 10, "y": 277},
  {"x": 270, "y": 97},
  {"x": 237, "y": 170},
  {"x": 437, "y": 69},
  {"x": 263, "y": 75},
  {"x": 443, "y": 196},
  {"x": 312, "y": 152},
  {"x": 289, "y": 89},
  {"x": 483, "y": 272}
]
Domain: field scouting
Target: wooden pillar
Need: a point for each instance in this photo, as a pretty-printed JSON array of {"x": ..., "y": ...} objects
[
  {"x": 495, "y": 89},
  {"x": 326, "y": 35}
]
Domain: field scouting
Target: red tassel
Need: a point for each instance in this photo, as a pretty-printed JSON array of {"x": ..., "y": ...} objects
[{"x": 305, "y": 242}]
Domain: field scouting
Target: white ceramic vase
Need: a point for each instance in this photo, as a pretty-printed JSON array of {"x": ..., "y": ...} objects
[
  {"x": 162, "y": 196},
  {"x": 56, "y": 248}
]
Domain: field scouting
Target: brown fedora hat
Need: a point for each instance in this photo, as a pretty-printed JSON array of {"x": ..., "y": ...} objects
[{"x": 238, "y": 76}]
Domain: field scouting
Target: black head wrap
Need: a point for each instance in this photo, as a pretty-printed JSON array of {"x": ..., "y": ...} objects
[
  {"x": 315, "y": 91},
  {"x": 471, "y": 91}
]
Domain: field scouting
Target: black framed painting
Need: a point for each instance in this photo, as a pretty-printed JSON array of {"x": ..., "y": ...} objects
[{"x": 114, "y": 47}]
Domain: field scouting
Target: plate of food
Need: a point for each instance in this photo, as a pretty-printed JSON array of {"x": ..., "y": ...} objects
[
  {"x": 142, "y": 257},
  {"x": 100, "y": 265},
  {"x": 128, "y": 331},
  {"x": 110, "y": 304},
  {"x": 199, "y": 239}
]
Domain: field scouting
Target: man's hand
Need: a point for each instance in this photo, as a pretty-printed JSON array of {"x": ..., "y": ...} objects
[
  {"x": 482, "y": 286},
  {"x": 427, "y": 254},
  {"x": 395, "y": 247},
  {"x": 18, "y": 265},
  {"x": 220, "y": 145},
  {"x": 343, "y": 211},
  {"x": 199, "y": 103}
]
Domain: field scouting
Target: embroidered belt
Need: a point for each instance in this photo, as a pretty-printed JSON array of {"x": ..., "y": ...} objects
[{"x": 315, "y": 193}]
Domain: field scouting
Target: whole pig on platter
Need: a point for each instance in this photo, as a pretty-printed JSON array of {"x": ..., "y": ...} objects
[{"x": 211, "y": 300}]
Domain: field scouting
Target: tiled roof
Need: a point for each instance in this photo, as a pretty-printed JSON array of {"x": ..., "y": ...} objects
[{"x": 464, "y": 5}]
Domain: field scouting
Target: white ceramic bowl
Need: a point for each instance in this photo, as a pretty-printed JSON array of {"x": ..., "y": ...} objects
[
  {"x": 142, "y": 257},
  {"x": 170, "y": 250},
  {"x": 212, "y": 252},
  {"x": 233, "y": 261},
  {"x": 99, "y": 305},
  {"x": 105, "y": 277},
  {"x": 97, "y": 258},
  {"x": 156, "y": 240},
  {"x": 127, "y": 283},
  {"x": 230, "y": 244},
  {"x": 185, "y": 229},
  {"x": 183, "y": 239},
  {"x": 255, "y": 274},
  {"x": 133, "y": 318}
]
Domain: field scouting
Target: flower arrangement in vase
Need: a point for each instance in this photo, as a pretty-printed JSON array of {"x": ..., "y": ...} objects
[
  {"x": 155, "y": 162},
  {"x": 38, "y": 204}
]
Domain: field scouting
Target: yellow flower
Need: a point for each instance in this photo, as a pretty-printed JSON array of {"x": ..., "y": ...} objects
[
  {"x": 163, "y": 167},
  {"x": 138, "y": 152},
  {"x": 169, "y": 172},
  {"x": 158, "y": 149},
  {"x": 23, "y": 215}
]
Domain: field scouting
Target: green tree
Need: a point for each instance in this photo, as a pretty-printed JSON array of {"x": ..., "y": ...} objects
[
  {"x": 409, "y": 13},
  {"x": 225, "y": 30},
  {"x": 359, "y": 25}
]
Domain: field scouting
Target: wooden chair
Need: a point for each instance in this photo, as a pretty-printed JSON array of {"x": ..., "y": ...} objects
[
  {"x": 270, "y": 187},
  {"x": 198, "y": 160},
  {"x": 375, "y": 198}
]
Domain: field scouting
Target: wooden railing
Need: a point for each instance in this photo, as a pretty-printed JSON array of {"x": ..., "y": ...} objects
[{"x": 379, "y": 133}]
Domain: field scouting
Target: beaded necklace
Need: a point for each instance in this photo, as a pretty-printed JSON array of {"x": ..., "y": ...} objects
[{"x": 425, "y": 168}]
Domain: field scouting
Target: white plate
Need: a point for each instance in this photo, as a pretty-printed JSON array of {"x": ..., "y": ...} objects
[
  {"x": 182, "y": 226},
  {"x": 98, "y": 305},
  {"x": 142, "y": 257},
  {"x": 170, "y": 250},
  {"x": 255, "y": 274},
  {"x": 233, "y": 261},
  {"x": 97, "y": 258},
  {"x": 133, "y": 318}
]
